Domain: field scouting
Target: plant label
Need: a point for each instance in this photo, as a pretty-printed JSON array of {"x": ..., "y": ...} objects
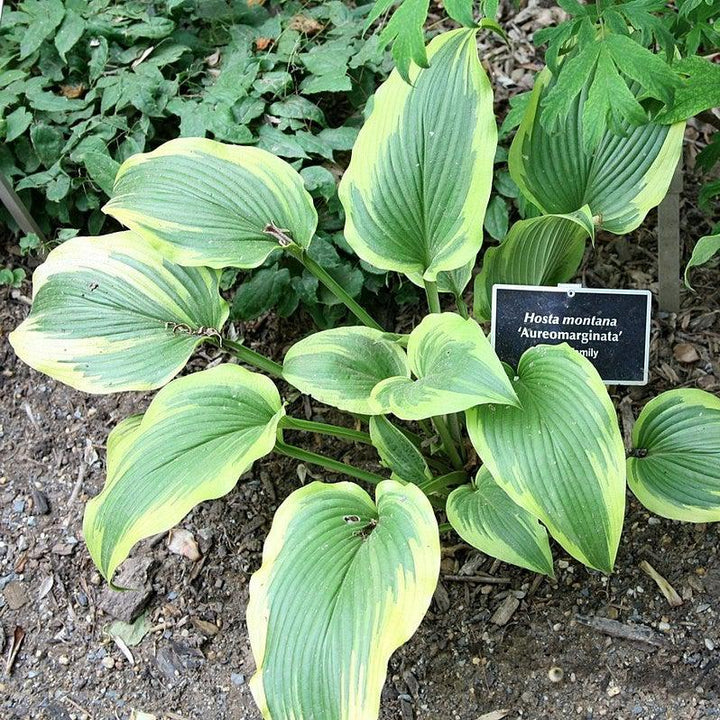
[{"x": 611, "y": 328}]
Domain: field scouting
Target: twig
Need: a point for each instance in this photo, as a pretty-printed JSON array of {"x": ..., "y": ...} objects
[
  {"x": 79, "y": 707},
  {"x": 613, "y": 628},
  {"x": 482, "y": 579},
  {"x": 78, "y": 484}
]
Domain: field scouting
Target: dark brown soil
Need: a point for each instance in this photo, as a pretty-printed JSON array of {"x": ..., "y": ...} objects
[{"x": 195, "y": 661}]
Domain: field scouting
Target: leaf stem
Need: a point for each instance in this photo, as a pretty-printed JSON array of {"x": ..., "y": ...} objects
[
  {"x": 250, "y": 356},
  {"x": 447, "y": 442},
  {"x": 433, "y": 297},
  {"x": 461, "y": 307},
  {"x": 457, "y": 477},
  {"x": 327, "y": 463},
  {"x": 300, "y": 254},
  {"x": 291, "y": 423}
]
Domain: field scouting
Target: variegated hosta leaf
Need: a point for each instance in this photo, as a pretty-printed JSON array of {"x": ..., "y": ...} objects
[
  {"x": 344, "y": 582},
  {"x": 455, "y": 367},
  {"x": 705, "y": 248},
  {"x": 621, "y": 179},
  {"x": 212, "y": 204},
  {"x": 544, "y": 250},
  {"x": 455, "y": 281},
  {"x": 419, "y": 180},
  {"x": 398, "y": 452},
  {"x": 675, "y": 467},
  {"x": 484, "y": 516},
  {"x": 111, "y": 313},
  {"x": 560, "y": 456},
  {"x": 341, "y": 366},
  {"x": 198, "y": 436}
]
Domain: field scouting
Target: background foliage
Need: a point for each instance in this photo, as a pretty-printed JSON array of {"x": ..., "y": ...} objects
[{"x": 84, "y": 84}]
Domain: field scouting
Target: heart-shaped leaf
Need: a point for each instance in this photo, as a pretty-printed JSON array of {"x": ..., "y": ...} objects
[
  {"x": 674, "y": 469},
  {"x": 197, "y": 437},
  {"x": 544, "y": 250},
  {"x": 455, "y": 367},
  {"x": 705, "y": 248},
  {"x": 344, "y": 582},
  {"x": 419, "y": 180},
  {"x": 560, "y": 456},
  {"x": 398, "y": 452},
  {"x": 213, "y": 204},
  {"x": 627, "y": 173},
  {"x": 484, "y": 516},
  {"x": 341, "y": 366},
  {"x": 111, "y": 313}
]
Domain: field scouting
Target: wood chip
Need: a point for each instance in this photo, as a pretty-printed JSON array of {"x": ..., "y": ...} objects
[
  {"x": 686, "y": 353},
  {"x": 503, "y": 614},
  {"x": 613, "y": 628},
  {"x": 674, "y": 600}
]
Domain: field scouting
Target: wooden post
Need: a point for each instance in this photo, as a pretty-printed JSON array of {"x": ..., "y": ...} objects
[
  {"x": 17, "y": 209},
  {"x": 668, "y": 231}
]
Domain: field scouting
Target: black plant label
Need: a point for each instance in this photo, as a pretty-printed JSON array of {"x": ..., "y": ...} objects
[{"x": 611, "y": 328}]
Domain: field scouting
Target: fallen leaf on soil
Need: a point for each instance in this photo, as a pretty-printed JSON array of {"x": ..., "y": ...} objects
[
  {"x": 686, "y": 353},
  {"x": 140, "y": 715},
  {"x": 15, "y": 595},
  {"x": 253, "y": 3},
  {"x": 495, "y": 715},
  {"x": 263, "y": 43},
  {"x": 305, "y": 24},
  {"x": 666, "y": 588},
  {"x": 206, "y": 628},
  {"x": 130, "y": 634},
  {"x": 45, "y": 587},
  {"x": 90, "y": 454},
  {"x": 72, "y": 91},
  {"x": 124, "y": 649},
  {"x": 182, "y": 542},
  {"x": 214, "y": 59},
  {"x": 15, "y": 643}
]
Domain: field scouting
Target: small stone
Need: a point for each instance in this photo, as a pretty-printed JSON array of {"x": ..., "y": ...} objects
[
  {"x": 64, "y": 660},
  {"x": 108, "y": 662},
  {"x": 613, "y": 690},
  {"x": 182, "y": 542},
  {"x": 556, "y": 674},
  {"x": 709, "y": 644},
  {"x": 663, "y": 626},
  {"x": 237, "y": 679}
]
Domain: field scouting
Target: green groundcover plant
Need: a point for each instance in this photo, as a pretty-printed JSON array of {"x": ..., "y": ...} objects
[{"x": 347, "y": 577}]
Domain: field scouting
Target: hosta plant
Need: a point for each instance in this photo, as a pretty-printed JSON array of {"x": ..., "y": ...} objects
[{"x": 346, "y": 575}]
